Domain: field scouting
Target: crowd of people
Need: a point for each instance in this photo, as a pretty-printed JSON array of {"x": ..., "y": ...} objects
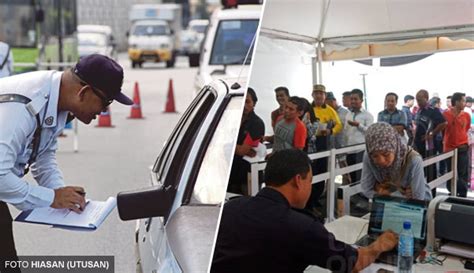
[{"x": 396, "y": 141}]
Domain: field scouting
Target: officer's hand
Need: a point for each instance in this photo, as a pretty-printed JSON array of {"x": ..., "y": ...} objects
[
  {"x": 387, "y": 241},
  {"x": 69, "y": 198}
]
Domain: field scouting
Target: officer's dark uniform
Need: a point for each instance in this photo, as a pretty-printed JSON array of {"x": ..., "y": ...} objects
[{"x": 264, "y": 234}]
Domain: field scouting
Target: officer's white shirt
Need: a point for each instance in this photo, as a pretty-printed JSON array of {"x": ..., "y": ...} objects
[
  {"x": 8, "y": 67},
  {"x": 18, "y": 124}
]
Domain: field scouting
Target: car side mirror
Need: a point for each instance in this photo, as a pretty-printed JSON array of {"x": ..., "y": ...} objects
[{"x": 154, "y": 201}]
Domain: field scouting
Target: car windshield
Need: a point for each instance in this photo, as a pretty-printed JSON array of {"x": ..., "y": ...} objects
[
  {"x": 142, "y": 30},
  {"x": 232, "y": 42},
  {"x": 199, "y": 28},
  {"x": 91, "y": 39}
]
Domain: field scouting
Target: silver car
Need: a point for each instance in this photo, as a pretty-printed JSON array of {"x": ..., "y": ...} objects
[{"x": 188, "y": 184}]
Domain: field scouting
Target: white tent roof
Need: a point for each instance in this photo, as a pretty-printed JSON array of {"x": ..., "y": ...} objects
[{"x": 355, "y": 29}]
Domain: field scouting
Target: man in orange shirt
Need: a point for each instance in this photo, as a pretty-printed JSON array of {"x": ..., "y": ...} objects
[
  {"x": 290, "y": 132},
  {"x": 455, "y": 136}
]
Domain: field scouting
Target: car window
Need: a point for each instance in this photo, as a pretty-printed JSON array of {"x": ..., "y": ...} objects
[
  {"x": 232, "y": 41},
  {"x": 213, "y": 176},
  {"x": 143, "y": 30},
  {"x": 199, "y": 28},
  {"x": 173, "y": 157},
  {"x": 91, "y": 39}
]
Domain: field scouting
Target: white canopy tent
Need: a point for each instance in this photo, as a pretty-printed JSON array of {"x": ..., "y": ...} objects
[
  {"x": 355, "y": 29},
  {"x": 293, "y": 32}
]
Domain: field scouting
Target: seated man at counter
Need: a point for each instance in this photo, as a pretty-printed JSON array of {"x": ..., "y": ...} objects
[
  {"x": 391, "y": 167},
  {"x": 271, "y": 233}
]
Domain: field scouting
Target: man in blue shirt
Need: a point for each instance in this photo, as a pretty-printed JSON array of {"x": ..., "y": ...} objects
[
  {"x": 34, "y": 108},
  {"x": 393, "y": 116}
]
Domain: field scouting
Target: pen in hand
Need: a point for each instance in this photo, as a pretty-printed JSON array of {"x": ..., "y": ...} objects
[{"x": 83, "y": 194}]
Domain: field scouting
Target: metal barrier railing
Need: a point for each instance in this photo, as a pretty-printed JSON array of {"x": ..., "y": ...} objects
[
  {"x": 347, "y": 191},
  {"x": 41, "y": 65}
]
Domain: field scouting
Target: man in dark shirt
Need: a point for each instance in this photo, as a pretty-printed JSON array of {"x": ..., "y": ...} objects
[
  {"x": 251, "y": 131},
  {"x": 409, "y": 100},
  {"x": 429, "y": 122},
  {"x": 271, "y": 233}
]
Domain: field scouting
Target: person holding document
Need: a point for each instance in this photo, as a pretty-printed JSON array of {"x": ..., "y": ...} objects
[{"x": 34, "y": 108}]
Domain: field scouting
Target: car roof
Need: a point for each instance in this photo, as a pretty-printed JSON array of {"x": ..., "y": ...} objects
[
  {"x": 198, "y": 22},
  {"x": 151, "y": 22},
  {"x": 229, "y": 83},
  {"x": 95, "y": 29},
  {"x": 241, "y": 12}
]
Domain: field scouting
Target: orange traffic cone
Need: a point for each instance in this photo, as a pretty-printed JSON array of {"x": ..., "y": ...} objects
[
  {"x": 170, "y": 108},
  {"x": 105, "y": 119},
  {"x": 136, "y": 111}
]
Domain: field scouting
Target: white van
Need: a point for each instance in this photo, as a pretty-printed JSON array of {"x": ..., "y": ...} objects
[
  {"x": 228, "y": 40},
  {"x": 96, "y": 39},
  {"x": 151, "y": 41}
]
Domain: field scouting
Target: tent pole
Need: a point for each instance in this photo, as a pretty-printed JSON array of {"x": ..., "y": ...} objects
[
  {"x": 320, "y": 64},
  {"x": 314, "y": 68},
  {"x": 364, "y": 89}
]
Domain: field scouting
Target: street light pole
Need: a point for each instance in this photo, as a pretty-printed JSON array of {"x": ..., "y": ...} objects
[
  {"x": 365, "y": 92},
  {"x": 60, "y": 36}
]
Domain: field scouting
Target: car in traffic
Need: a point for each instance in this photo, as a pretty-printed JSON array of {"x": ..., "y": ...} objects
[
  {"x": 151, "y": 41},
  {"x": 178, "y": 213},
  {"x": 191, "y": 40},
  {"x": 228, "y": 44},
  {"x": 96, "y": 39}
]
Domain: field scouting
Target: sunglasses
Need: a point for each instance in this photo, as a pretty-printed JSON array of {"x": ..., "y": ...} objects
[{"x": 99, "y": 93}]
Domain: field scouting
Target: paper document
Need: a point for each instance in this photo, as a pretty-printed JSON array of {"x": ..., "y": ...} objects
[
  {"x": 261, "y": 151},
  {"x": 92, "y": 217}
]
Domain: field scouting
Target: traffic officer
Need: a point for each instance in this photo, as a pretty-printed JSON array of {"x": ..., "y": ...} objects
[
  {"x": 34, "y": 108},
  {"x": 6, "y": 60}
]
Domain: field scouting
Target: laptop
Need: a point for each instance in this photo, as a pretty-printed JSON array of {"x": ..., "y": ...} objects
[{"x": 389, "y": 212}]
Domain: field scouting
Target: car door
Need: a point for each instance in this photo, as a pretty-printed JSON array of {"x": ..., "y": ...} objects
[{"x": 167, "y": 172}]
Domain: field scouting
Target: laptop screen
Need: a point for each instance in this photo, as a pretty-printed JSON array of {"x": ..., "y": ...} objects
[{"x": 391, "y": 212}]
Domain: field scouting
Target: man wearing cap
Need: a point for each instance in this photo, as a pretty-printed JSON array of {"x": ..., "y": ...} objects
[
  {"x": 34, "y": 108},
  {"x": 329, "y": 125}
]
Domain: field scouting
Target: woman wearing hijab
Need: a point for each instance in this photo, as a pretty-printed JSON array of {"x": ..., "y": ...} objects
[{"x": 390, "y": 167}]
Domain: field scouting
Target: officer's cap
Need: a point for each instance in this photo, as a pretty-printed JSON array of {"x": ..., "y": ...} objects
[{"x": 103, "y": 73}]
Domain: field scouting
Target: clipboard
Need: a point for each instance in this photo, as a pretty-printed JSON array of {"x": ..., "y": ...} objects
[{"x": 91, "y": 218}]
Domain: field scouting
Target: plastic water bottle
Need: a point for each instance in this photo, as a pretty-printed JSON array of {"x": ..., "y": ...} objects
[{"x": 405, "y": 249}]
